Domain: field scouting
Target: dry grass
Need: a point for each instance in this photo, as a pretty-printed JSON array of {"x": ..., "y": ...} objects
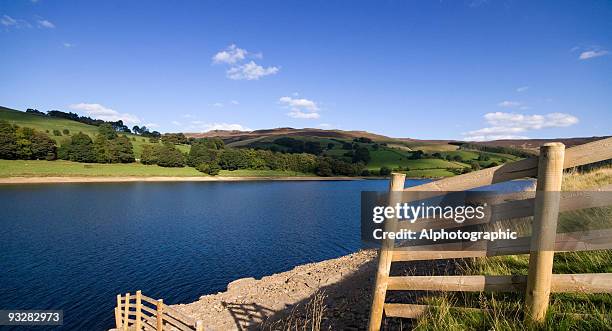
[
  {"x": 307, "y": 318},
  {"x": 505, "y": 311}
]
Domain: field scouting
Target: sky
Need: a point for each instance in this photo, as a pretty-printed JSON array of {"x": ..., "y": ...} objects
[{"x": 461, "y": 69}]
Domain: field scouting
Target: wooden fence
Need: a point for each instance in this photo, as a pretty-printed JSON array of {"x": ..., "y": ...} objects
[
  {"x": 139, "y": 312},
  {"x": 540, "y": 282}
]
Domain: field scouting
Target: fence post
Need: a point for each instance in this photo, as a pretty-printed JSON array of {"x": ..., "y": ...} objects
[
  {"x": 384, "y": 258},
  {"x": 543, "y": 233},
  {"x": 159, "y": 315},
  {"x": 118, "y": 323},
  {"x": 126, "y": 311},
  {"x": 138, "y": 310}
]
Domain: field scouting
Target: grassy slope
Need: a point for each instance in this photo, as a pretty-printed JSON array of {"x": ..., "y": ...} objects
[
  {"x": 41, "y": 168},
  {"x": 396, "y": 155},
  {"x": 49, "y": 124},
  {"x": 506, "y": 309}
]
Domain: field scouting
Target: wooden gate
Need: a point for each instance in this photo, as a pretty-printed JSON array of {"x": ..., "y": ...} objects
[
  {"x": 548, "y": 168},
  {"x": 139, "y": 312}
]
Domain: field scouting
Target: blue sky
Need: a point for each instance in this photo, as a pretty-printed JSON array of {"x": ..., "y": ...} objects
[{"x": 421, "y": 69}]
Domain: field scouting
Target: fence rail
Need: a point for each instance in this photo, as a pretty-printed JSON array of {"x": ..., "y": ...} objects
[
  {"x": 541, "y": 245},
  {"x": 140, "y": 312}
]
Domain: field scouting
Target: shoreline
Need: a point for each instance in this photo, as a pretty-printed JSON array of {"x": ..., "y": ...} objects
[
  {"x": 132, "y": 179},
  {"x": 249, "y": 303}
]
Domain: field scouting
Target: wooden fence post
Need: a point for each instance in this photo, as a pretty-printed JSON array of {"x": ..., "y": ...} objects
[
  {"x": 543, "y": 233},
  {"x": 138, "y": 310},
  {"x": 126, "y": 311},
  {"x": 384, "y": 258},
  {"x": 159, "y": 315},
  {"x": 118, "y": 323}
]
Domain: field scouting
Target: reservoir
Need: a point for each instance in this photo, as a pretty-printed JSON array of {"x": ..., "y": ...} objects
[{"x": 74, "y": 247}]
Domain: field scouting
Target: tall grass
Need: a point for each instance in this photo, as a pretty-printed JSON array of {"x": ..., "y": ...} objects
[{"x": 505, "y": 311}]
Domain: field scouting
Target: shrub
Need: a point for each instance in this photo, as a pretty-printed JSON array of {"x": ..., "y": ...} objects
[
  {"x": 57, "y": 132},
  {"x": 212, "y": 169},
  {"x": 385, "y": 171},
  {"x": 66, "y": 131}
]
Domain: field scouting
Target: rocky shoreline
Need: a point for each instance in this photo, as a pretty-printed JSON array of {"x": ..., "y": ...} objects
[{"x": 344, "y": 282}]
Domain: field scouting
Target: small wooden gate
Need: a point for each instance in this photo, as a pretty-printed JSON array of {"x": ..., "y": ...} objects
[
  {"x": 548, "y": 168},
  {"x": 139, "y": 312}
]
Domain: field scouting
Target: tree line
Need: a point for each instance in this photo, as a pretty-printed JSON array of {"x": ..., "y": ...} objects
[{"x": 208, "y": 155}]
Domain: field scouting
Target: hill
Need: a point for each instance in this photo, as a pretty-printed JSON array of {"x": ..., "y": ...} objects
[{"x": 55, "y": 127}]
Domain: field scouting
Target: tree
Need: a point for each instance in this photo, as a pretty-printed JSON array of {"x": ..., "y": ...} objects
[
  {"x": 212, "y": 168},
  {"x": 385, "y": 171},
  {"x": 66, "y": 131},
  {"x": 330, "y": 145},
  {"x": 362, "y": 154},
  {"x": 457, "y": 158},
  {"x": 124, "y": 149},
  {"x": 203, "y": 151},
  {"x": 8, "y": 143},
  {"x": 313, "y": 147},
  {"x": 149, "y": 154},
  {"x": 57, "y": 132},
  {"x": 79, "y": 149},
  {"x": 169, "y": 156},
  {"x": 324, "y": 168},
  {"x": 416, "y": 155}
]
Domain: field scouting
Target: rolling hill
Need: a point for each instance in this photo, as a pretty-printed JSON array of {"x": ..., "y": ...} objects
[{"x": 416, "y": 158}]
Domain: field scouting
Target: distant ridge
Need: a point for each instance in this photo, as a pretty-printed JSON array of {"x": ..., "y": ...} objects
[{"x": 308, "y": 132}]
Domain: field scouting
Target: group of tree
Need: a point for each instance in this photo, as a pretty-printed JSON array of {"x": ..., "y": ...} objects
[
  {"x": 116, "y": 125},
  {"x": 144, "y": 131},
  {"x": 106, "y": 147},
  {"x": 293, "y": 145},
  {"x": 175, "y": 138},
  {"x": 25, "y": 143},
  {"x": 497, "y": 149},
  {"x": 164, "y": 155}
]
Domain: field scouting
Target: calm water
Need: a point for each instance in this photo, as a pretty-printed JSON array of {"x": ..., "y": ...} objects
[{"x": 76, "y": 246}]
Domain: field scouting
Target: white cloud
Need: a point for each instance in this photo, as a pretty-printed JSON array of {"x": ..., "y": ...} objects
[
  {"x": 303, "y": 115},
  {"x": 509, "y": 104},
  {"x": 152, "y": 125},
  {"x": 238, "y": 70},
  {"x": 177, "y": 123},
  {"x": 98, "y": 111},
  {"x": 10, "y": 22},
  {"x": 234, "y": 102},
  {"x": 68, "y": 45},
  {"x": 324, "y": 125},
  {"x": 250, "y": 71},
  {"x": 510, "y": 125},
  {"x": 230, "y": 55},
  {"x": 217, "y": 104},
  {"x": 45, "y": 24},
  {"x": 522, "y": 89},
  {"x": 592, "y": 54},
  {"x": 300, "y": 108},
  {"x": 225, "y": 126}
]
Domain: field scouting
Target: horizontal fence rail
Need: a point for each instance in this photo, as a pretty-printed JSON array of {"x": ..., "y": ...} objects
[
  {"x": 517, "y": 207},
  {"x": 140, "y": 312}
]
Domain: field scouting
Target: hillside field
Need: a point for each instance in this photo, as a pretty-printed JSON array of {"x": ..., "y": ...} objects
[
  {"x": 47, "y": 124},
  {"x": 395, "y": 154}
]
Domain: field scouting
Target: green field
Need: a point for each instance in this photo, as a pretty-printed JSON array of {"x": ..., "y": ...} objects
[
  {"x": 395, "y": 155},
  {"x": 48, "y": 124},
  {"x": 41, "y": 168}
]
